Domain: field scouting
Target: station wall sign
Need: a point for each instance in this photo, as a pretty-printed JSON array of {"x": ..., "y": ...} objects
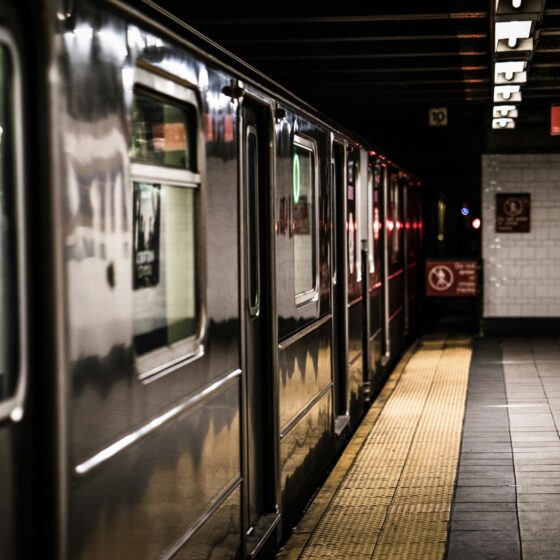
[
  {"x": 438, "y": 116},
  {"x": 555, "y": 120},
  {"x": 513, "y": 213},
  {"x": 447, "y": 278}
]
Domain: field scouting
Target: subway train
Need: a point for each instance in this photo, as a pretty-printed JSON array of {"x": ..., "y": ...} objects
[{"x": 204, "y": 284}]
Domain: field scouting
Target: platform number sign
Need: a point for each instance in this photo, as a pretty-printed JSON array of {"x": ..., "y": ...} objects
[{"x": 438, "y": 116}]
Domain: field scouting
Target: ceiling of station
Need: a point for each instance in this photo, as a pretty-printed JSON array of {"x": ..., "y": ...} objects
[
  {"x": 382, "y": 52},
  {"x": 377, "y": 66}
]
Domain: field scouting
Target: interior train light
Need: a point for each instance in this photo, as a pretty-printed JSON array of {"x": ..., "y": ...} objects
[
  {"x": 500, "y": 111},
  {"x": 507, "y": 93},
  {"x": 511, "y": 71},
  {"x": 503, "y": 124},
  {"x": 390, "y": 225},
  {"x": 512, "y": 31}
]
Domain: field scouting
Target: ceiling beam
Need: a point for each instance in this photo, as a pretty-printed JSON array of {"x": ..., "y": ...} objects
[
  {"x": 348, "y": 86},
  {"x": 443, "y": 16},
  {"x": 316, "y": 71},
  {"x": 372, "y": 56},
  {"x": 389, "y": 96},
  {"x": 362, "y": 39}
]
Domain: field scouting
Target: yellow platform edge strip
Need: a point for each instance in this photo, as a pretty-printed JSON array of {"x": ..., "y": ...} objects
[
  {"x": 390, "y": 493},
  {"x": 307, "y": 525}
]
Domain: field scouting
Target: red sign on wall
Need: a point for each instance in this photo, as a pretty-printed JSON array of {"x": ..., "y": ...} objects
[
  {"x": 555, "y": 120},
  {"x": 452, "y": 278}
]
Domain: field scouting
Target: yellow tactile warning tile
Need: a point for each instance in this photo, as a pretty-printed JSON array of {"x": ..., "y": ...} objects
[{"x": 391, "y": 497}]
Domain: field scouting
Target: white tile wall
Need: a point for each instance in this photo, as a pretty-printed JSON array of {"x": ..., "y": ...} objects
[{"x": 522, "y": 270}]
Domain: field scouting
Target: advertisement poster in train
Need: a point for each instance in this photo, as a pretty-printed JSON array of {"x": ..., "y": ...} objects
[
  {"x": 146, "y": 232},
  {"x": 513, "y": 213}
]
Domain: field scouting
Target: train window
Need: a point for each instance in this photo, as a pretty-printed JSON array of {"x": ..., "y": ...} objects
[
  {"x": 164, "y": 265},
  {"x": 252, "y": 171},
  {"x": 304, "y": 191},
  {"x": 166, "y": 302},
  {"x": 162, "y": 131},
  {"x": 358, "y": 218},
  {"x": 370, "y": 220},
  {"x": 13, "y": 342},
  {"x": 395, "y": 218}
]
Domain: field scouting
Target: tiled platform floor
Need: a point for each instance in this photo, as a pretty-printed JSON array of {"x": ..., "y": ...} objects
[
  {"x": 506, "y": 504},
  {"x": 507, "y": 501}
]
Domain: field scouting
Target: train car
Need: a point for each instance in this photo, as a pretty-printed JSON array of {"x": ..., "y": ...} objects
[{"x": 204, "y": 283}]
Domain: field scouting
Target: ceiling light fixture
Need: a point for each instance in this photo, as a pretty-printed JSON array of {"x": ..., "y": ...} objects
[
  {"x": 503, "y": 124},
  {"x": 513, "y": 31},
  {"x": 507, "y": 93},
  {"x": 500, "y": 111},
  {"x": 510, "y": 70}
]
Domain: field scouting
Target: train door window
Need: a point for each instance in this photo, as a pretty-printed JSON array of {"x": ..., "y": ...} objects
[
  {"x": 12, "y": 341},
  {"x": 370, "y": 221},
  {"x": 378, "y": 177},
  {"x": 395, "y": 218},
  {"x": 352, "y": 217},
  {"x": 166, "y": 184},
  {"x": 358, "y": 217},
  {"x": 252, "y": 173},
  {"x": 411, "y": 223},
  {"x": 304, "y": 192}
]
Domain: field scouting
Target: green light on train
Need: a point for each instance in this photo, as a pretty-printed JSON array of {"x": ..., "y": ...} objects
[{"x": 296, "y": 178}]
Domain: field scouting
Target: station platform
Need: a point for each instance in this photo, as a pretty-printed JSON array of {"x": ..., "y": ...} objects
[{"x": 458, "y": 458}]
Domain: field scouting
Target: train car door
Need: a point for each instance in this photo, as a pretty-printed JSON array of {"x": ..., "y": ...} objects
[
  {"x": 384, "y": 229},
  {"x": 13, "y": 338},
  {"x": 339, "y": 289},
  {"x": 354, "y": 300},
  {"x": 260, "y": 433},
  {"x": 406, "y": 256},
  {"x": 374, "y": 273}
]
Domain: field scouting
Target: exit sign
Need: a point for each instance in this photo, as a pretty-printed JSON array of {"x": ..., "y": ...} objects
[
  {"x": 555, "y": 120},
  {"x": 438, "y": 116}
]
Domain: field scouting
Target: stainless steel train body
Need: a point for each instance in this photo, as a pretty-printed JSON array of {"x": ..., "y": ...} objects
[{"x": 203, "y": 285}]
